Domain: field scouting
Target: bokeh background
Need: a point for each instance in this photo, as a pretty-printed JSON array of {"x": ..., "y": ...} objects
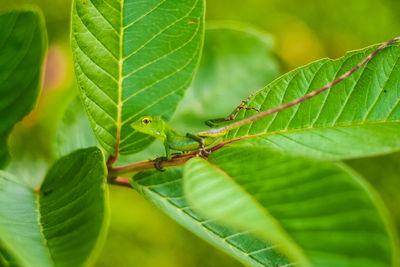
[{"x": 301, "y": 31}]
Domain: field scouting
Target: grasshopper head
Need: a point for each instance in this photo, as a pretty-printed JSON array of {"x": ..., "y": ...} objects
[{"x": 150, "y": 125}]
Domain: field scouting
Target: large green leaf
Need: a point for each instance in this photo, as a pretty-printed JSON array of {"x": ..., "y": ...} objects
[
  {"x": 320, "y": 213},
  {"x": 358, "y": 117},
  {"x": 63, "y": 223},
  {"x": 134, "y": 57},
  {"x": 166, "y": 191},
  {"x": 236, "y": 59},
  {"x": 23, "y": 45}
]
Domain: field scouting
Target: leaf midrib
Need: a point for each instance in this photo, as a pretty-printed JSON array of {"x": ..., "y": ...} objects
[
  {"x": 45, "y": 241},
  {"x": 329, "y": 127},
  {"x": 120, "y": 78},
  {"x": 209, "y": 232}
]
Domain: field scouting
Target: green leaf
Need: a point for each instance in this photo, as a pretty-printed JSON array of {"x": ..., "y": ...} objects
[
  {"x": 63, "y": 223},
  {"x": 383, "y": 173},
  {"x": 30, "y": 160},
  {"x": 320, "y": 213},
  {"x": 236, "y": 59},
  {"x": 358, "y": 117},
  {"x": 165, "y": 190},
  {"x": 73, "y": 131},
  {"x": 133, "y": 58},
  {"x": 23, "y": 44}
]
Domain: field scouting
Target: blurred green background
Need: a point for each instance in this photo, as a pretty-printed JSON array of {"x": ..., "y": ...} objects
[{"x": 302, "y": 31}]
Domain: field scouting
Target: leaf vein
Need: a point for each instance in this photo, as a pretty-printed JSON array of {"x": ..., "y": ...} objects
[
  {"x": 231, "y": 245},
  {"x": 309, "y": 85},
  {"x": 95, "y": 84},
  {"x": 20, "y": 60},
  {"x": 382, "y": 90},
  {"x": 159, "y": 33},
  {"x": 155, "y": 102},
  {"x": 350, "y": 94},
  {"x": 97, "y": 39},
  {"x": 163, "y": 78},
  {"x": 94, "y": 63},
  {"x": 165, "y": 55},
  {"x": 100, "y": 107},
  {"x": 105, "y": 19},
  {"x": 144, "y": 15}
]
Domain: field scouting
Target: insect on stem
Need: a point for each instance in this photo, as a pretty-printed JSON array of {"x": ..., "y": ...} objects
[{"x": 301, "y": 99}]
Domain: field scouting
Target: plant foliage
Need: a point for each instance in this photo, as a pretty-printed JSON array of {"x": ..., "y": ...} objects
[{"x": 272, "y": 192}]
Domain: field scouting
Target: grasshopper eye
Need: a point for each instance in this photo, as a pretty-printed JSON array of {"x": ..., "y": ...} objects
[{"x": 146, "y": 121}]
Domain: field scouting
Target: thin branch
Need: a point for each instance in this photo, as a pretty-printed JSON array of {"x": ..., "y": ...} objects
[
  {"x": 120, "y": 181},
  {"x": 111, "y": 160},
  {"x": 177, "y": 160}
]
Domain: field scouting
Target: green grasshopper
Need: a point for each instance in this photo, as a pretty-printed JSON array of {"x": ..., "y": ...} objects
[{"x": 172, "y": 139}]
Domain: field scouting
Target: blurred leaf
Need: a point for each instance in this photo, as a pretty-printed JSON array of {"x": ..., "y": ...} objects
[
  {"x": 384, "y": 174},
  {"x": 358, "y": 117},
  {"x": 133, "y": 59},
  {"x": 237, "y": 60},
  {"x": 22, "y": 47},
  {"x": 160, "y": 240},
  {"x": 165, "y": 191},
  {"x": 31, "y": 141},
  {"x": 63, "y": 223},
  {"x": 57, "y": 14},
  {"x": 74, "y": 131},
  {"x": 320, "y": 213}
]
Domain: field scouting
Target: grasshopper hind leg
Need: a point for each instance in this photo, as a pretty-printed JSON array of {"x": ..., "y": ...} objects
[{"x": 232, "y": 116}]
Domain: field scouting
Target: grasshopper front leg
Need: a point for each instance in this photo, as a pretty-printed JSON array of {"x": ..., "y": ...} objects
[{"x": 214, "y": 122}]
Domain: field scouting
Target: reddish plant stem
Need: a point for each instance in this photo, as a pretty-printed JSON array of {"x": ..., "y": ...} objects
[
  {"x": 121, "y": 181},
  {"x": 111, "y": 160},
  {"x": 147, "y": 165}
]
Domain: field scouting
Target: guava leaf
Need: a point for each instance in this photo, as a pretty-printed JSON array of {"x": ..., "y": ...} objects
[
  {"x": 63, "y": 223},
  {"x": 134, "y": 58},
  {"x": 319, "y": 213},
  {"x": 358, "y": 117},
  {"x": 23, "y": 43},
  {"x": 165, "y": 190}
]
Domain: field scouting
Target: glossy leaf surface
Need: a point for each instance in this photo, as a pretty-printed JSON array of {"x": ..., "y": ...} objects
[
  {"x": 62, "y": 224},
  {"x": 320, "y": 213},
  {"x": 133, "y": 58},
  {"x": 23, "y": 43},
  {"x": 358, "y": 117},
  {"x": 166, "y": 191}
]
